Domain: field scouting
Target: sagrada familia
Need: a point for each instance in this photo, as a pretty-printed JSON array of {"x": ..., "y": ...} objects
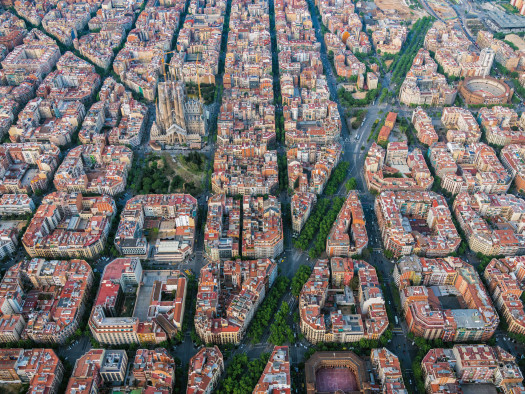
[{"x": 180, "y": 120}]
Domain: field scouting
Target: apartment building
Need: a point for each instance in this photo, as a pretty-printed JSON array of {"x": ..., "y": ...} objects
[
  {"x": 386, "y": 129},
  {"x": 141, "y": 62},
  {"x": 425, "y": 287},
  {"x": 96, "y": 368},
  {"x": 439, "y": 374},
  {"x": 396, "y": 169},
  {"x": 16, "y": 205},
  {"x": 30, "y": 60},
  {"x": 445, "y": 370},
  {"x": 154, "y": 370},
  {"x": 117, "y": 119},
  {"x": 357, "y": 314},
  {"x": 13, "y": 31},
  {"x": 345, "y": 62},
  {"x": 491, "y": 222},
  {"x": 340, "y": 18},
  {"x": 453, "y": 51},
  {"x": 174, "y": 215},
  {"x": 107, "y": 328},
  {"x": 43, "y": 300},
  {"x": 155, "y": 321},
  {"x": 98, "y": 47},
  {"x": 69, "y": 225},
  {"x": 9, "y": 231},
  {"x": 512, "y": 157},
  {"x": 423, "y": 85},
  {"x": 389, "y": 36},
  {"x": 461, "y": 125},
  {"x": 348, "y": 236},
  {"x": 27, "y": 166},
  {"x": 416, "y": 222},
  {"x": 199, "y": 42},
  {"x": 223, "y": 227},
  {"x": 504, "y": 54},
  {"x": 12, "y": 99},
  {"x": 301, "y": 207},
  {"x": 247, "y": 113},
  {"x": 41, "y": 369},
  {"x": 99, "y": 169},
  {"x": 472, "y": 168},
  {"x": 388, "y": 369},
  {"x": 228, "y": 296},
  {"x": 65, "y": 22},
  {"x": 237, "y": 171},
  {"x": 115, "y": 14},
  {"x": 310, "y": 165},
  {"x": 46, "y": 120},
  {"x": 501, "y": 125},
  {"x": 29, "y": 12},
  {"x": 426, "y": 134},
  {"x": 246, "y": 121},
  {"x": 108, "y": 30},
  {"x": 309, "y": 114},
  {"x": 505, "y": 278},
  {"x": 205, "y": 370},
  {"x": 73, "y": 80},
  {"x": 276, "y": 374},
  {"x": 262, "y": 227}
]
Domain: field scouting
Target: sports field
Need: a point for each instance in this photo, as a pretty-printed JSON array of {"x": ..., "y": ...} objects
[{"x": 330, "y": 380}]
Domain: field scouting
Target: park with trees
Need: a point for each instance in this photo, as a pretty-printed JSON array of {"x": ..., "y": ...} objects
[
  {"x": 318, "y": 226},
  {"x": 242, "y": 375},
  {"x": 280, "y": 331},
  {"x": 299, "y": 279},
  {"x": 336, "y": 179},
  {"x": 267, "y": 310},
  {"x": 163, "y": 174},
  {"x": 403, "y": 60}
]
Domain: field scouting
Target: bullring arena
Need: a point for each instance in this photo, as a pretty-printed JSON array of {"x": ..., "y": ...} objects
[
  {"x": 485, "y": 91},
  {"x": 336, "y": 372}
]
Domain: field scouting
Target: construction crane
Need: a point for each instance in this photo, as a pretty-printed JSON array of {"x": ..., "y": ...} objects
[
  {"x": 164, "y": 62},
  {"x": 164, "y": 65},
  {"x": 199, "y": 81}
]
